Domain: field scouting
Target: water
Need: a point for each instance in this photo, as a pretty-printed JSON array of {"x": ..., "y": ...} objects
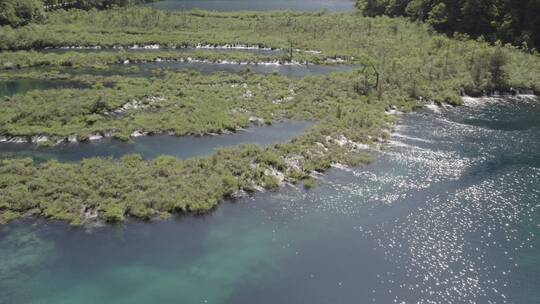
[
  {"x": 449, "y": 213},
  {"x": 293, "y": 70},
  {"x": 256, "y": 5},
  {"x": 150, "y": 147},
  {"x": 256, "y": 51},
  {"x": 156, "y": 69},
  {"x": 21, "y": 86}
]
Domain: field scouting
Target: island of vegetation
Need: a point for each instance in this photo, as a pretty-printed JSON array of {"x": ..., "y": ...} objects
[{"x": 400, "y": 66}]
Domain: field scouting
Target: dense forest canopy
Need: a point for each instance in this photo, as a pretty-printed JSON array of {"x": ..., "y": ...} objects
[
  {"x": 512, "y": 21},
  {"x": 22, "y": 12}
]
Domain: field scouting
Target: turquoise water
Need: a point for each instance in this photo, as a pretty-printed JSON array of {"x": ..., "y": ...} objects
[
  {"x": 256, "y": 5},
  {"x": 449, "y": 213}
]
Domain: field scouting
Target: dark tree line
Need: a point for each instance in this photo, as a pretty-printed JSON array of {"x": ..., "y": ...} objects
[
  {"x": 87, "y": 4},
  {"x": 21, "y": 12},
  {"x": 511, "y": 21}
]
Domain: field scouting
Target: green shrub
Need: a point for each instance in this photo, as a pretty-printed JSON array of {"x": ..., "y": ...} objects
[
  {"x": 270, "y": 182},
  {"x": 310, "y": 183}
]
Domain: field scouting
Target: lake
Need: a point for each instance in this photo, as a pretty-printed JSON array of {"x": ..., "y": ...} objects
[{"x": 449, "y": 213}]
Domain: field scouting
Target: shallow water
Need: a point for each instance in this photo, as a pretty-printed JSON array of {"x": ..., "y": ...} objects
[
  {"x": 150, "y": 69},
  {"x": 294, "y": 70},
  {"x": 21, "y": 86},
  {"x": 448, "y": 214},
  {"x": 256, "y": 5},
  {"x": 256, "y": 51},
  {"x": 156, "y": 69},
  {"x": 150, "y": 147}
]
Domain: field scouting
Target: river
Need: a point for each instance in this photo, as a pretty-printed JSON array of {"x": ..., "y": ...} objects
[
  {"x": 447, "y": 214},
  {"x": 150, "y": 147}
]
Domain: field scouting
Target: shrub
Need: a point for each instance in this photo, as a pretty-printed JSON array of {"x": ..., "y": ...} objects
[
  {"x": 270, "y": 182},
  {"x": 310, "y": 183}
]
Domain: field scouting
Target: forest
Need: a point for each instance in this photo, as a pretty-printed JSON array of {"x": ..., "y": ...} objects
[
  {"x": 509, "y": 21},
  {"x": 21, "y": 12}
]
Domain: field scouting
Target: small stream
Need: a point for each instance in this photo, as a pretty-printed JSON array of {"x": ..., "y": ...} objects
[{"x": 150, "y": 147}]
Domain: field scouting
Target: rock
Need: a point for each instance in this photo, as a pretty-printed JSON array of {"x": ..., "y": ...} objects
[
  {"x": 39, "y": 139},
  {"x": 18, "y": 140},
  {"x": 95, "y": 137},
  {"x": 72, "y": 139},
  {"x": 342, "y": 141},
  {"x": 138, "y": 133},
  {"x": 9, "y": 65},
  {"x": 294, "y": 162},
  {"x": 256, "y": 120},
  {"x": 239, "y": 194},
  {"x": 271, "y": 171}
]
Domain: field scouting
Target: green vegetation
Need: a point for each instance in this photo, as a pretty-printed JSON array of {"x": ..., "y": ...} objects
[
  {"x": 25, "y": 59},
  {"x": 182, "y": 103},
  {"x": 88, "y": 4},
  {"x": 515, "y": 22},
  {"x": 402, "y": 64},
  {"x": 112, "y": 189},
  {"x": 21, "y": 12},
  {"x": 402, "y": 55},
  {"x": 310, "y": 183}
]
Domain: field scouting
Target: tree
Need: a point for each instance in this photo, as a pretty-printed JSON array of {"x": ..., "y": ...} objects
[
  {"x": 497, "y": 62},
  {"x": 20, "y": 12},
  {"x": 514, "y": 21}
]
